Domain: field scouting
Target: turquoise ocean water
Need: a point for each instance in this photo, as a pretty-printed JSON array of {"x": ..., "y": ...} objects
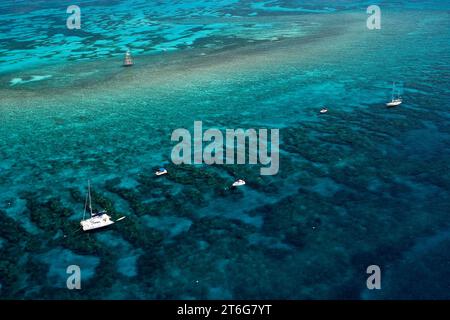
[{"x": 362, "y": 185}]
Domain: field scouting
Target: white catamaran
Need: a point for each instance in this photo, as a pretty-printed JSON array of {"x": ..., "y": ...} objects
[
  {"x": 395, "y": 100},
  {"x": 97, "y": 220}
]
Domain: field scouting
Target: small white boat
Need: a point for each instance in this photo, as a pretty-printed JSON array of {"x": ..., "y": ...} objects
[
  {"x": 323, "y": 110},
  {"x": 238, "y": 183},
  {"x": 395, "y": 100},
  {"x": 97, "y": 220},
  {"x": 120, "y": 219},
  {"x": 394, "y": 103},
  {"x": 128, "y": 60},
  {"x": 161, "y": 172}
]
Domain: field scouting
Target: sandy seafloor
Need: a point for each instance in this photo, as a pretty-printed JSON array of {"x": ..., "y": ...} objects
[{"x": 359, "y": 186}]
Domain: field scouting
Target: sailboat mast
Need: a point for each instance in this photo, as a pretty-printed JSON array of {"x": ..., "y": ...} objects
[
  {"x": 85, "y": 207},
  {"x": 89, "y": 194},
  {"x": 393, "y": 91}
]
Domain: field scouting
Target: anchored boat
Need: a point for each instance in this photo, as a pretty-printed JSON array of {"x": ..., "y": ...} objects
[
  {"x": 161, "y": 172},
  {"x": 128, "y": 60},
  {"x": 238, "y": 183},
  {"x": 99, "y": 219},
  {"x": 395, "y": 100}
]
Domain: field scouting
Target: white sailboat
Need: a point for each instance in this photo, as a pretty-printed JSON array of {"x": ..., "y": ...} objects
[
  {"x": 98, "y": 219},
  {"x": 128, "y": 60},
  {"x": 395, "y": 100}
]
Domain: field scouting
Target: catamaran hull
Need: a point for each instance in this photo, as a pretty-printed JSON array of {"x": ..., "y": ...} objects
[{"x": 96, "y": 222}]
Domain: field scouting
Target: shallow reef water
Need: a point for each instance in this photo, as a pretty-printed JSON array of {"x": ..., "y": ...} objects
[{"x": 358, "y": 186}]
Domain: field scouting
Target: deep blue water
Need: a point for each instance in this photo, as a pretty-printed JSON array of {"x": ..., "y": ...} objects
[{"x": 359, "y": 186}]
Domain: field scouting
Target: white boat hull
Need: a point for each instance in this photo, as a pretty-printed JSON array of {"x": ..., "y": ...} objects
[
  {"x": 238, "y": 184},
  {"x": 394, "y": 103},
  {"x": 96, "y": 222}
]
